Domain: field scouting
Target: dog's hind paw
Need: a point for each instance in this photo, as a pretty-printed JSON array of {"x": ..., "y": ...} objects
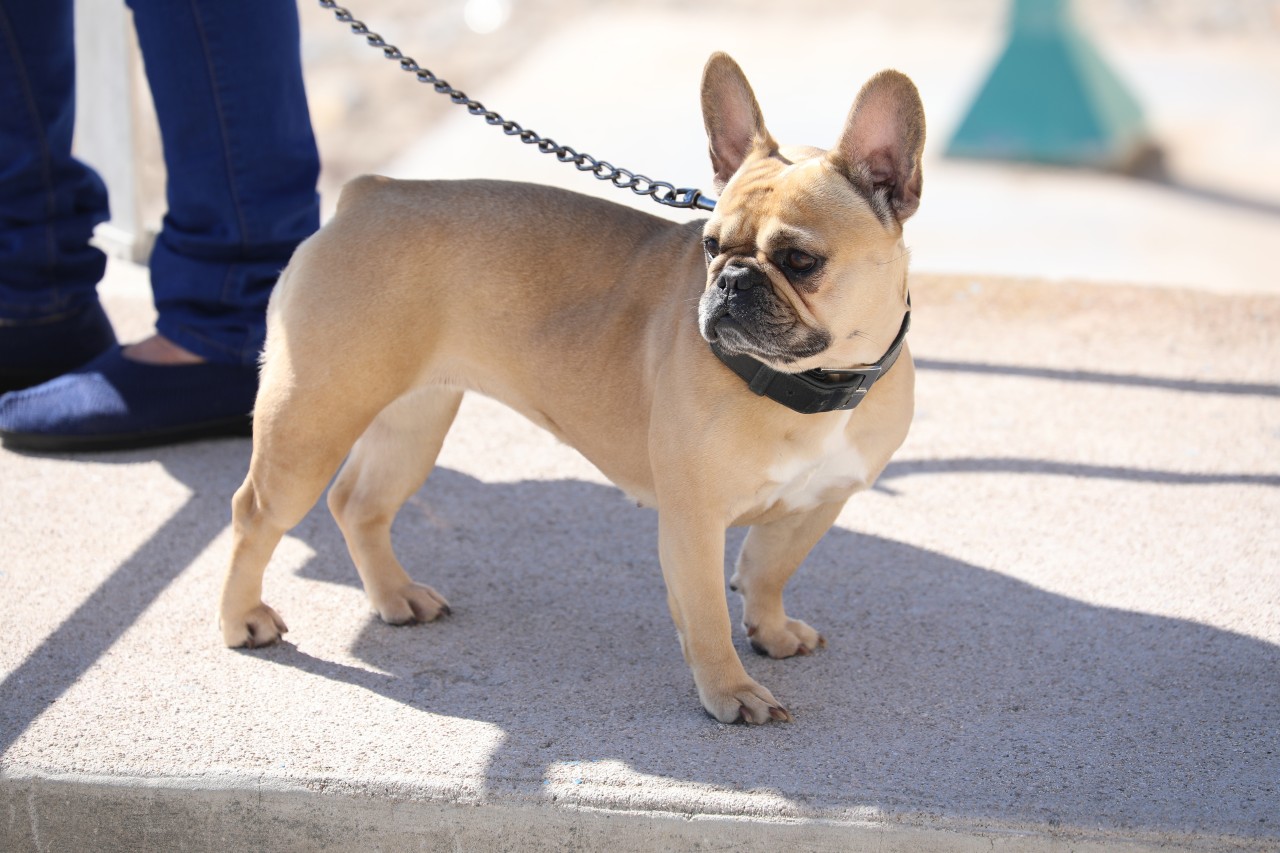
[
  {"x": 261, "y": 626},
  {"x": 788, "y": 639},
  {"x": 410, "y": 604}
]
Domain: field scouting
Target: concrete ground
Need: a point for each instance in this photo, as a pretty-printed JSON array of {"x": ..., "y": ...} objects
[{"x": 1053, "y": 625}]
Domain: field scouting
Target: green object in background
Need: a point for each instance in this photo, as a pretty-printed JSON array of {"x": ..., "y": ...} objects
[{"x": 1051, "y": 98}]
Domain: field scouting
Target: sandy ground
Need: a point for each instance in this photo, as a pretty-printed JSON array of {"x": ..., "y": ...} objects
[{"x": 620, "y": 80}]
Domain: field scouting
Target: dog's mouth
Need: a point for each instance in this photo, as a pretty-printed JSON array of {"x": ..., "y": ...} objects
[
  {"x": 757, "y": 330},
  {"x": 729, "y": 333}
]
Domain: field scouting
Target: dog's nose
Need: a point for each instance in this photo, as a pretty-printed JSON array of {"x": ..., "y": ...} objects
[{"x": 739, "y": 278}]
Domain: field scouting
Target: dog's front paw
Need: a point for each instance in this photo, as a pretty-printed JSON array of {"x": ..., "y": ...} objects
[
  {"x": 785, "y": 639},
  {"x": 409, "y": 604},
  {"x": 744, "y": 702},
  {"x": 261, "y": 626}
]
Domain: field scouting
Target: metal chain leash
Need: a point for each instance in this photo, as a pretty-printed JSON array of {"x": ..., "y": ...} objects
[{"x": 660, "y": 191}]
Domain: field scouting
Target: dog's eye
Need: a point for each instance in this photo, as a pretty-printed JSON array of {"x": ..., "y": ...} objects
[
  {"x": 712, "y": 247},
  {"x": 798, "y": 261}
]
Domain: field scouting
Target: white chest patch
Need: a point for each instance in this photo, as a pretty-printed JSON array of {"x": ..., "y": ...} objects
[{"x": 835, "y": 470}]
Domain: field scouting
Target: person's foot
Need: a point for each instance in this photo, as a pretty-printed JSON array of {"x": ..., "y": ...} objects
[
  {"x": 159, "y": 350},
  {"x": 37, "y": 351},
  {"x": 146, "y": 395}
]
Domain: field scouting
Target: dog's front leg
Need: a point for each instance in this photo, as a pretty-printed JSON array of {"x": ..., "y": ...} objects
[{"x": 691, "y": 548}]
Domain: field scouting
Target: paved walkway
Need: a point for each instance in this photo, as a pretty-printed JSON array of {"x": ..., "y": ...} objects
[
  {"x": 1055, "y": 620},
  {"x": 1054, "y": 624}
]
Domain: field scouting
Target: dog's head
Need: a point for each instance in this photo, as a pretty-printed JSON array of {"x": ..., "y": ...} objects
[{"x": 805, "y": 261}]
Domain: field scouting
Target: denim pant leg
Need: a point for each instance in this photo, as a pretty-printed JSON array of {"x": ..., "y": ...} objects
[
  {"x": 226, "y": 77},
  {"x": 49, "y": 202}
]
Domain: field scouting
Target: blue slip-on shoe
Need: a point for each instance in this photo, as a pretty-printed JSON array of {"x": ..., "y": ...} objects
[
  {"x": 32, "y": 352},
  {"x": 114, "y": 403}
]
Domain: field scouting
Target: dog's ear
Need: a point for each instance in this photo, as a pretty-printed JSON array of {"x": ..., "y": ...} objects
[
  {"x": 881, "y": 144},
  {"x": 735, "y": 126}
]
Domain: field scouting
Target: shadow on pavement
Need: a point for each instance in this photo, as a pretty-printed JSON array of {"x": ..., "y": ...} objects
[
  {"x": 946, "y": 687},
  {"x": 1249, "y": 389},
  {"x": 1013, "y": 465},
  {"x": 1153, "y": 168},
  {"x": 88, "y": 632}
]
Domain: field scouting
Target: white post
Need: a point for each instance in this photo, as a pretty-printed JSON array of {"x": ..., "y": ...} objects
[{"x": 108, "y": 124}]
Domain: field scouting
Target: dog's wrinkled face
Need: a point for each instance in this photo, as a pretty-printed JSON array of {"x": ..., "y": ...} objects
[
  {"x": 800, "y": 267},
  {"x": 805, "y": 261}
]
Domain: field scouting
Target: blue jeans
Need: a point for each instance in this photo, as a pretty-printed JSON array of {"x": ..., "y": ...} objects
[{"x": 226, "y": 79}]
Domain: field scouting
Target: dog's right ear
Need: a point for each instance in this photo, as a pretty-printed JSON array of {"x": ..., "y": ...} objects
[{"x": 735, "y": 126}]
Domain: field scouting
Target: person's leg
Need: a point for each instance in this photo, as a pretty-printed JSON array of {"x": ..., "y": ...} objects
[
  {"x": 242, "y": 166},
  {"x": 50, "y": 319}
]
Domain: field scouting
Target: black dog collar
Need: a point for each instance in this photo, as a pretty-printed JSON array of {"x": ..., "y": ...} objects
[{"x": 815, "y": 390}]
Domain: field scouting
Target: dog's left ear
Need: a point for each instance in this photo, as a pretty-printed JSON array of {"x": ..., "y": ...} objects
[
  {"x": 734, "y": 124},
  {"x": 882, "y": 141}
]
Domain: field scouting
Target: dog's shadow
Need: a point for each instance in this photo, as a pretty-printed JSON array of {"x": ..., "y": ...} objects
[{"x": 945, "y": 686}]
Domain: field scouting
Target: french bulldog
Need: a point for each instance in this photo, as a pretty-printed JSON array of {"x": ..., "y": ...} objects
[{"x": 782, "y": 394}]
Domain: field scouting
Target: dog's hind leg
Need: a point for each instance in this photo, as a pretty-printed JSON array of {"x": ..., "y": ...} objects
[
  {"x": 770, "y": 556},
  {"x": 301, "y": 432},
  {"x": 387, "y": 465}
]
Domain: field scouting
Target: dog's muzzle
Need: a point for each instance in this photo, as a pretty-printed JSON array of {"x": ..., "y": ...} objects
[{"x": 739, "y": 301}]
